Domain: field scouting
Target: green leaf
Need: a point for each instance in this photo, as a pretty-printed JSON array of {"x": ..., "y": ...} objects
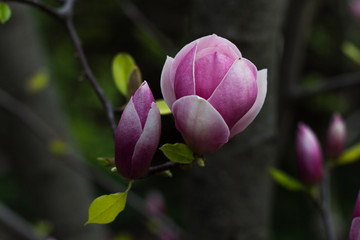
[
  {"x": 350, "y": 155},
  {"x": 122, "y": 66},
  {"x": 105, "y": 208},
  {"x": 38, "y": 82},
  {"x": 134, "y": 82},
  {"x": 178, "y": 152},
  {"x": 5, "y": 12},
  {"x": 163, "y": 107},
  {"x": 351, "y": 51},
  {"x": 285, "y": 180}
]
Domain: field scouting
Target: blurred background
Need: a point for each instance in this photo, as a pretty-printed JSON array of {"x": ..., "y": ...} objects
[{"x": 53, "y": 126}]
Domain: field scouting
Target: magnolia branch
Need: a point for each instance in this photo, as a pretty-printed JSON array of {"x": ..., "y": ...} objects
[{"x": 64, "y": 15}]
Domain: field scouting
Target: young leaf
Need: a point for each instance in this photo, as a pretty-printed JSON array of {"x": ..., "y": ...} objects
[
  {"x": 134, "y": 82},
  {"x": 105, "y": 208},
  {"x": 351, "y": 51},
  {"x": 5, "y": 12},
  {"x": 163, "y": 107},
  {"x": 178, "y": 152},
  {"x": 38, "y": 82},
  {"x": 350, "y": 155},
  {"x": 122, "y": 66},
  {"x": 285, "y": 180}
]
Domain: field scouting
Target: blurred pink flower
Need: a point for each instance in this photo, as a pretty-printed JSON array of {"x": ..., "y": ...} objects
[
  {"x": 309, "y": 157},
  {"x": 336, "y": 136},
  {"x": 155, "y": 204}
]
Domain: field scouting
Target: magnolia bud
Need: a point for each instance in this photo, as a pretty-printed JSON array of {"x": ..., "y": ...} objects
[
  {"x": 336, "y": 136},
  {"x": 138, "y": 134},
  {"x": 355, "y": 225},
  {"x": 309, "y": 157}
]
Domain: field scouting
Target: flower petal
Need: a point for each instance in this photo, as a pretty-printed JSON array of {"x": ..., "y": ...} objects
[
  {"x": 127, "y": 134},
  {"x": 201, "y": 126},
  {"x": 237, "y": 92},
  {"x": 184, "y": 82},
  {"x": 357, "y": 207},
  {"x": 209, "y": 71},
  {"x": 147, "y": 144},
  {"x": 355, "y": 229},
  {"x": 255, "y": 109},
  {"x": 143, "y": 98},
  {"x": 167, "y": 87},
  {"x": 215, "y": 41}
]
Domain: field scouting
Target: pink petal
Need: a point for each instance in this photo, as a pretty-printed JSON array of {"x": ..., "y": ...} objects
[
  {"x": 209, "y": 71},
  {"x": 178, "y": 58},
  {"x": 127, "y": 134},
  {"x": 201, "y": 126},
  {"x": 214, "y": 41},
  {"x": 309, "y": 155},
  {"x": 225, "y": 50},
  {"x": 184, "y": 83},
  {"x": 147, "y": 144},
  {"x": 255, "y": 109},
  {"x": 357, "y": 207},
  {"x": 355, "y": 229},
  {"x": 143, "y": 98},
  {"x": 167, "y": 87},
  {"x": 236, "y": 93}
]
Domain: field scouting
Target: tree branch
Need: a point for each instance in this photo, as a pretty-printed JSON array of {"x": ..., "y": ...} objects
[
  {"x": 64, "y": 15},
  {"x": 332, "y": 84},
  {"x": 165, "y": 167},
  {"x": 51, "y": 11},
  {"x": 88, "y": 73},
  {"x": 17, "y": 224}
]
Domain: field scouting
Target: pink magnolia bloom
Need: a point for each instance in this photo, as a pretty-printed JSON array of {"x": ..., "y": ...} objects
[
  {"x": 213, "y": 92},
  {"x": 355, "y": 225},
  {"x": 138, "y": 134},
  {"x": 155, "y": 203},
  {"x": 309, "y": 156},
  {"x": 355, "y": 9},
  {"x": 335, "y": 137}
]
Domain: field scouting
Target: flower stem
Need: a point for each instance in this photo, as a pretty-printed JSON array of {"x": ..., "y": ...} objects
[{"x": 325, "y": 205}]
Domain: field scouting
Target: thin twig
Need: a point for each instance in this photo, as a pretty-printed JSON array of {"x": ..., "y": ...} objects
[
  {"x": 17, "y": 224},
  {"x": 322, "y": 203},
  {"x": 51, "y": 11},
  {"x": 325, "y": 206},
  {"x": 88, "y": 73},
  {"x": 29, "y": 118},
  {"x": 332, "y": 84},
  {"x": 64, "y": 14},
  {"x": 164, "y": 167},
  {"x": 133, "y": 12}
]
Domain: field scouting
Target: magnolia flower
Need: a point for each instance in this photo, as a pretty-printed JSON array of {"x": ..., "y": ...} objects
[
  {"x": 213, "y": 92},
  {"x": 309, "y": 156},
  {"x": 138, "y": 134},
  {"x": 355, "y": 225}
]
